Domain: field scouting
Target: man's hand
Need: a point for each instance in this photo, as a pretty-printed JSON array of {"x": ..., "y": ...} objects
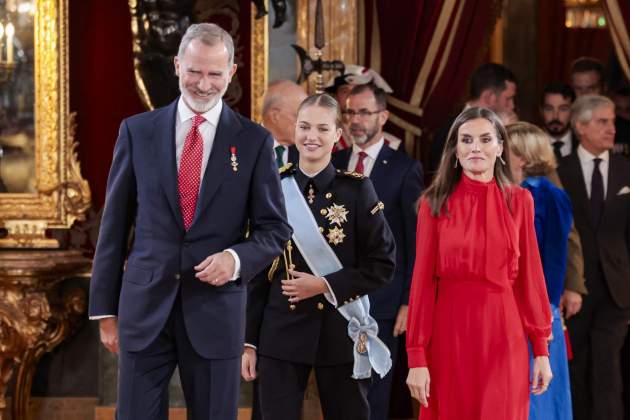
[
  {"x": 570, "y": 303},
  {"x": 303, "y": 286},
  {"x": 217, "y": 269},
  {"x": 400, "y": 327},
  {"x": 109, "y": 333},
  {"x": 248, "y": 364}
]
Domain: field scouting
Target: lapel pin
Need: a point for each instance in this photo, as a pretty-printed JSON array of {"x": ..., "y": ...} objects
[{"x": 233, "y": 161}]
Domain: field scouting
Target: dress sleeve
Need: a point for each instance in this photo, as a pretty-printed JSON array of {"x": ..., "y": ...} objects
[
  {"x": 529, "y": 287},
  {"x": 423, "y": 291}
]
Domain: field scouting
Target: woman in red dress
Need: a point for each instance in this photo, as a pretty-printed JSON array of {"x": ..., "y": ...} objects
[{"x": 478, "y": 292}]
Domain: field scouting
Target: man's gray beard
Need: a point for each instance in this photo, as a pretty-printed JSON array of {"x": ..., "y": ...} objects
[
  {"x": 200, "y": 107},
  {"x": 359, "y": 139}
]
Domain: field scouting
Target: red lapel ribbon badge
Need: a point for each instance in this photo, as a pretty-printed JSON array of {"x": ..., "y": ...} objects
[{"x": 233, "y": 161}]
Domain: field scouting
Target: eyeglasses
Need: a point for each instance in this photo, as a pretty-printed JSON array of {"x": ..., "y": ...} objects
[{"x": 363, "y": 113}]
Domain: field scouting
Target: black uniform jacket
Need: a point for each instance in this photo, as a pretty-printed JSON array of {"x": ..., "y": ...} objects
[{"x": 312, "y": 331}]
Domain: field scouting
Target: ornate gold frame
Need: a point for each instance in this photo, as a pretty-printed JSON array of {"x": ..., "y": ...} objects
[
  {"x": 259, "y": 62},
  {"x": 62, "y": 194}
]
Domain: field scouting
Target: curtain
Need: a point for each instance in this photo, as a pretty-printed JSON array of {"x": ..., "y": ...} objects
[
  {"x": 618, "y": 20},
  {"x": 426, "y": 50},
  {"x": 559, "y": 46}
]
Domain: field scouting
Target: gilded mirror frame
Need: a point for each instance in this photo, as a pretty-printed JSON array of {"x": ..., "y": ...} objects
[{"x": 62, "y": 195}]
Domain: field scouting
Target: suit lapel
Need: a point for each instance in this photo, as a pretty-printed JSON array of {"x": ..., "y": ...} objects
[
  {"x": 579, "y": 186},
  {"x": 381, "y": 164},
  {"x": 219, "y": 160},
  {"x": 165, "y": 141}
]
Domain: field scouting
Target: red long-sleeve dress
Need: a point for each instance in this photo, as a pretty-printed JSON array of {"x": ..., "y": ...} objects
[{"x": 478, "y": 294}]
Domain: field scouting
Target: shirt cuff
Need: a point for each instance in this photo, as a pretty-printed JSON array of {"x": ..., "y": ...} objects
[
  {"x": 97, "y": 317},
  {"x": 540, "y": 346},
  {"x": 237, "y": 264},
  {"x": 251, "y": 346},
  {"x": 330, "y": 295},
  {"x": 416, "y": 357}
]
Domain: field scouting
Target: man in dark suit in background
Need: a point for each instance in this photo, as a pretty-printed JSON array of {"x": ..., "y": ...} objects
[
  {"x": 397, "y": 180},
  {"x": 555, "y": 111},
  {"x": 191, "y": 179},
  {"x": 598, "y": 183},
  {"x": 279, "y": 116},
  {"x": 492, "y": 86}
]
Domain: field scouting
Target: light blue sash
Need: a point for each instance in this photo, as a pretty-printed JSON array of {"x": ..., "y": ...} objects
[{"x": 369, "y": 351}]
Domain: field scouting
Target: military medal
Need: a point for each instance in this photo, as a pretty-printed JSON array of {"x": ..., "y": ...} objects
[
  {"x": 337, "y": 214},
  {"x": 233, "y": 161},
  {"x": 335, "y": 235},
  {"x": 311, "y": 194}
]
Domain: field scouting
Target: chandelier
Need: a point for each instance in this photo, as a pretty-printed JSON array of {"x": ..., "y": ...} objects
[{"x": 584, "y": 14}]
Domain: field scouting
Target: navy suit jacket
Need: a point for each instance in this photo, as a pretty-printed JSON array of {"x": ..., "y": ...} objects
[
  {"x": 397, "y": 180},
  {"x": 243, "y": 210}
]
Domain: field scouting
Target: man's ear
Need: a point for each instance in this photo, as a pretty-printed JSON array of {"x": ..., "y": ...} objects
[
  {"x": 177, "y": 65},
  {"x": 383, "y": 117},
  {"x": 488, "y": 97}
]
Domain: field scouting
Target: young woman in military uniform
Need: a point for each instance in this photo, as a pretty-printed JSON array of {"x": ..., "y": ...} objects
[{"x": 293, "y": 321}]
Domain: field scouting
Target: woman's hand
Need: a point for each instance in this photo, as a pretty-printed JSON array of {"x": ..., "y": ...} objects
[
  {"x": 542, "y": 375},
  {"x": 303, "y": 286},
  {"x": 419, "y": 383},
  {"x": 248, "y": 364}
]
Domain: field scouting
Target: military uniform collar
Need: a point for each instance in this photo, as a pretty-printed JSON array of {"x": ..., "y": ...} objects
[{"x": 322, "y": 180}]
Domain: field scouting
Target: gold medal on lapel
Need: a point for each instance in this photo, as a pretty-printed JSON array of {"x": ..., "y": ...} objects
[{"x": 233, "y": 161}]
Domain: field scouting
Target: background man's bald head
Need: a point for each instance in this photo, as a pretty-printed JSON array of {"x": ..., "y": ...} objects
[{"x": 279, "y": 111}]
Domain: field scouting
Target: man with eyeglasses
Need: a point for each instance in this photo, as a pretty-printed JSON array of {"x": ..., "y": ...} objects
[{"x": 397, "y": 180}]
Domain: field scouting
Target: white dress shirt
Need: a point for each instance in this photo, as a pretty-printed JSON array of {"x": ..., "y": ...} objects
[
  {"x": 368, "y": 162},
  {"x": 567, "y": 143},
  {"x": 285, "y": 151},
  {"x": 587, "y": 163}
]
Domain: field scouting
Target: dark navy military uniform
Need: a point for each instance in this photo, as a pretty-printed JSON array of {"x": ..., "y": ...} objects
[{"x": 293, "y": 338}]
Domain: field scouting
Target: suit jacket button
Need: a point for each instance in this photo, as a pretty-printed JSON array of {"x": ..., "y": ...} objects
[
  {"x": 178, "y": 276},
  {"x": 320, "y": 306},
  {"x": 292, "y": 307}
]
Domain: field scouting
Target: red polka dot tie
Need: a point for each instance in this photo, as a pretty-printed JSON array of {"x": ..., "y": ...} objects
[
  {"x": 189, "y": 176},
  {"x": 360, "y": 164}
]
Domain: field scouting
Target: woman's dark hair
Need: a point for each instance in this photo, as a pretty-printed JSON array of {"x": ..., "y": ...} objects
[{"x": 449, "y": 174}]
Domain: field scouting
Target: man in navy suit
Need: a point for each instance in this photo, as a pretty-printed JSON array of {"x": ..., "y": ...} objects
[
  {"x": 397, "y": 180},
  {"x": 199, "y": 186}
]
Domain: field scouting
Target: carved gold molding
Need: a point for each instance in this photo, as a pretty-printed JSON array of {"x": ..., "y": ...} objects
[
  {"x": 259, "y": 61},
  {"x": 341, "y": 30},
  {"x": 62, "y": 194}
]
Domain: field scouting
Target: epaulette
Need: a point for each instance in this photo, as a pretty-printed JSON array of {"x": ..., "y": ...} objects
[
  {"x": 350, "y": 174},
  {"x": 287, "y": 169},
  {"x": 378, "y": 207}
]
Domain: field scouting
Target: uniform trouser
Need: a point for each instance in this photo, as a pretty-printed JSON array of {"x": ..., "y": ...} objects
[
  {"x": 380, "y": 389},
  {"x": 282, "y": 385},
  {"x": 211, "y": 386},
  {"x": 597, "y": 335}
]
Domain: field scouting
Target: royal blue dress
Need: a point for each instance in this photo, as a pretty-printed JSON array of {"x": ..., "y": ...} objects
[{"x": 553, "y": 218}]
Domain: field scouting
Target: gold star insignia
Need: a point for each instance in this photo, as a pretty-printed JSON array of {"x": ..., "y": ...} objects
[
  {"x": 337, "y": 214},
  {"x": 335, "y": 235}
]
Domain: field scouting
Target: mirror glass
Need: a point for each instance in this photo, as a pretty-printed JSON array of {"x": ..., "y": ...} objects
[{"x": 17, "y": 96}]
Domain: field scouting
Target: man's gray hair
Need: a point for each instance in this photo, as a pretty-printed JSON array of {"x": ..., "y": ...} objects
[
  {"x": 583, "y": 107},
  {"x": 210, "y": 34}
]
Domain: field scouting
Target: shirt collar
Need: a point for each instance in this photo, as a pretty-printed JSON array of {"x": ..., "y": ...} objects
[
  {"x": 566, "y": 138},
  {"x": 322, "y": 180},
  {"x": 212, "y": 115},
  {"x": 371, "y": 151},
  {"x": 586, "y": 156}
]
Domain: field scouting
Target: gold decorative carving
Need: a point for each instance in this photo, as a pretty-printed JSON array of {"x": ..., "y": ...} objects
[
  {"x": 341, "y": 23},
  {"x": 259, "y": 62},
  {"x": 62, "y": 194},
  {"x": 35, "y": 316}
]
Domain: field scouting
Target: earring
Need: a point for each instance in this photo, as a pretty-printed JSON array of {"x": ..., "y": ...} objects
[
  {"x": 455, "y": 166},
  {"x": 501, "y": 159}
]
